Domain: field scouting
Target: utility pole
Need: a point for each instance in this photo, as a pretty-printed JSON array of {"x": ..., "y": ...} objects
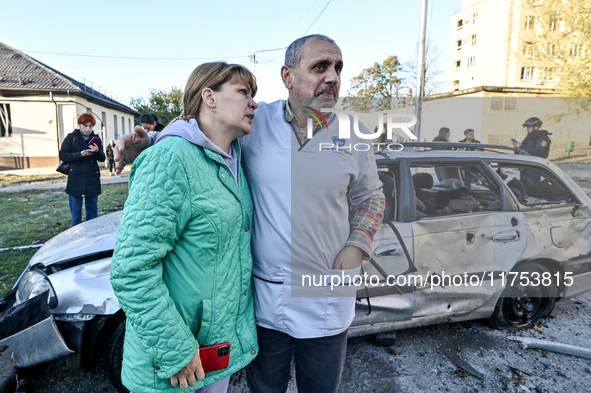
[
  {"x": 421, "y": 69},
  {"x": 253, "y": 57}
]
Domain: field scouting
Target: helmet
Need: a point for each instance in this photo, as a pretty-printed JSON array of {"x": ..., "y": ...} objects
[{"x": 533, "y": 122}]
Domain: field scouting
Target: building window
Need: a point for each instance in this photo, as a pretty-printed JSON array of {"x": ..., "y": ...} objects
[
  {"x": 576, "y": 50},
  {"x": 530, "y": 22},
  {"x": 552, "y": 49},
  {"x": 104, "y": 120},
  {"x": 115, "y": 126},
  {"x": 503, "y": 104},
  {"x": 129, "y": 124},
  {"x": 474, "y": 16},
  {"x": 460, "y": 24},
  {"x": 459, "y": 44},
  {"x": 5, "y": 121},
  {"x": 456, "y": 85},
  {"x": 473, "y": 39},
  {"x": 529, "y": 73},
  {"x": 122, "y": 125},
  {"x": 530, "y": 51},
  {"x": 471, "y": 61},
  {"x": 458, "y": 64}
]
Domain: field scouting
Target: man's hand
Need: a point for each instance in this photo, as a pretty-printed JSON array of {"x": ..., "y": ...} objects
[
  {"x": 189, "y": 374},
  {"x": 129, "y": 147},
  {"x": 350, "y": 257},
  {"x": 516, "y": 145}
]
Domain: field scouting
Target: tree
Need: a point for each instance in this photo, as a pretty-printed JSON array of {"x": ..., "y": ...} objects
[
  {"x": 433, "y": 70},
  {"x": 375, "y": 87},
  {"x": 563, "y": 44},
  {"x": 165, "y": 104}
]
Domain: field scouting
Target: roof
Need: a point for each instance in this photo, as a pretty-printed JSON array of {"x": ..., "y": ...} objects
[
  {"x": 493, "y": 89},
  {"x": 21, "y": 73}
]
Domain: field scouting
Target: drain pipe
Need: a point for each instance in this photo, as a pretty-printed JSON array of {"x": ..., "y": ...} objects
[{"x": 57, "y": 123}]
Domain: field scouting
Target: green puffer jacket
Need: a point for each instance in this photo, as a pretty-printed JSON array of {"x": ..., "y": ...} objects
[{"x": 182, "y": 264}]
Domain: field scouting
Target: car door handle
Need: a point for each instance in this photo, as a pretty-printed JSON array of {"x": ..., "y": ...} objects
[
  {"x": 388, "y": 250},
  {"x": 506, "y": 236}
]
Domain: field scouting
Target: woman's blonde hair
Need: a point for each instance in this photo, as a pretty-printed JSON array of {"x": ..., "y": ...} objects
[{"x": 212, "y": 75}]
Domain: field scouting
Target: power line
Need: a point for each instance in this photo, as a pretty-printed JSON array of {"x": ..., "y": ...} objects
[
  {"x": 316, "y": 18},
  {"x": 137, "y": 58}
]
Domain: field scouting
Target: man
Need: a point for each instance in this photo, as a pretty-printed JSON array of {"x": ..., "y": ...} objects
[
  {"x": 536, "y": 143},
  {"x": 469, "y": 133},
  {"x": 301, "y": 222}
]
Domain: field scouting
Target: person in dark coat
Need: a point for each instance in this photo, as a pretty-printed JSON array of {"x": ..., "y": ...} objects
[
  {"x": 111, "y": 156},
  {"x": 469, "y": 133},
  {"x": 84, "y": 177},
  {"x": 536, "y": 143}
]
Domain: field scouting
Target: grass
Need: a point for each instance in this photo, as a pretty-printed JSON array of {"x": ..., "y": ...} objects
[
  {"x": 33, "y": 217},
  {"x": 11, "y": 179}
]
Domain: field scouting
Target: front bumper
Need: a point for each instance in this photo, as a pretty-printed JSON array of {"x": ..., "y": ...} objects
[{"x": 29, "y": 330}]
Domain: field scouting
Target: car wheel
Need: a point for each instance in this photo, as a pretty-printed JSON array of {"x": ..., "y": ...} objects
[
  {"x": 521, "y": 306},
  {"x": 115, "y": 357}
]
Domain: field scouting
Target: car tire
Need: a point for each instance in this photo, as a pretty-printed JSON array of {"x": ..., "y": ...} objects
[
  {"x": 523, "y": 306},
  {"x": 115, "y": 357}
]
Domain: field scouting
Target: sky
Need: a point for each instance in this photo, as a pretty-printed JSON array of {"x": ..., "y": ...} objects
[{"x": 165, "y": 40}]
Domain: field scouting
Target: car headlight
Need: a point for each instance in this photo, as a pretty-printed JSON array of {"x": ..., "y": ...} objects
[{"x": 34, "y": 283}]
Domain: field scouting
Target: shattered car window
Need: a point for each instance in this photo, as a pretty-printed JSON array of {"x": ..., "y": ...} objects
[
  {"x": 533, "y": 185},
  {"x": 445, "y": 189}
]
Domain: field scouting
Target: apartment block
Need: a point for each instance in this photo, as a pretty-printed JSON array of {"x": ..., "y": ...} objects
[{"x": 497, "y": 43}]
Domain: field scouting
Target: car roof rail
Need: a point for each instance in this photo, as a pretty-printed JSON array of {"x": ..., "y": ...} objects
[{"x": 458, "y": 146}]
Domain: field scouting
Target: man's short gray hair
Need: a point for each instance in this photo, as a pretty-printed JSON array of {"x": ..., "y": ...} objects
[{"x": 293, "y": 55}]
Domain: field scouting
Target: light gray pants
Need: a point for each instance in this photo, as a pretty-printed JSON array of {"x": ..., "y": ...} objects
[{"x": 218, "y": 387}]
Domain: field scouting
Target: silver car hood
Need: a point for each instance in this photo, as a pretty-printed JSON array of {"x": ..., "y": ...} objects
[{"x": 87, "y": 238}]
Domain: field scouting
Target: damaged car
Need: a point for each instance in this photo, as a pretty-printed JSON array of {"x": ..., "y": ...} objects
[{"x": 465, "y": 235}]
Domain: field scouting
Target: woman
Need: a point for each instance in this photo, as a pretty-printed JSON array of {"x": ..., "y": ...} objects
[
  {"x": 111, "y": 157},
  {"x": 443, "y": 135},
  {"x": 182, "y": 263},
  {"x": 151, "y": 122},
  {"x": 84, "y": 179}
]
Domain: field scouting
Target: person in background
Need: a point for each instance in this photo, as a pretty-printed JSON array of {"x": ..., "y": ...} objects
[
  {"x": 536, "y": 143},
  {"x": 443, "y": 135},
  {"x": 84, "y": 179},
  {"x": 182, "y": 263},
  {"x": 111, "y": 157},
  {"x": 151, "y": 123},
  {"x": 469, "y": 133}
]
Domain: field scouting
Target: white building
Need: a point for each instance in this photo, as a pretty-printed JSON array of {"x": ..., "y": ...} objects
[
  {"x": 496, "y": 43},
  {"x": 39, "y": 106}
]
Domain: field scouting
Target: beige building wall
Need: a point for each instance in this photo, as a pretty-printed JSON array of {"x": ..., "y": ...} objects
[
  {"x": 494, "y": 35},
  {"x": 39, "y": 125}
]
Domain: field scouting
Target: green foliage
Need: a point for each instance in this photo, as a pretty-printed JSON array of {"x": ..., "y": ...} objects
[
  {"x": 375, "y": 88},
  {"x": 165, "y": 104},
  {"x": 562, "y": 42}
]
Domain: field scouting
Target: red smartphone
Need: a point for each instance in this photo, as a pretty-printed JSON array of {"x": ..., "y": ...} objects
[
  {"x": 214, "y": 357},
  {"x": 95, "y": 140}
]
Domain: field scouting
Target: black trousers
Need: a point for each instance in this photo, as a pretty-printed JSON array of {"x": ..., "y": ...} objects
[{"x": 319, "y": 362}]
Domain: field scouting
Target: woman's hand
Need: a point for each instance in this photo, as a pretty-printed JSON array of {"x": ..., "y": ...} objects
[
  {"x": 186, "y": 377},
  {"x": 91, "y": 149}
]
